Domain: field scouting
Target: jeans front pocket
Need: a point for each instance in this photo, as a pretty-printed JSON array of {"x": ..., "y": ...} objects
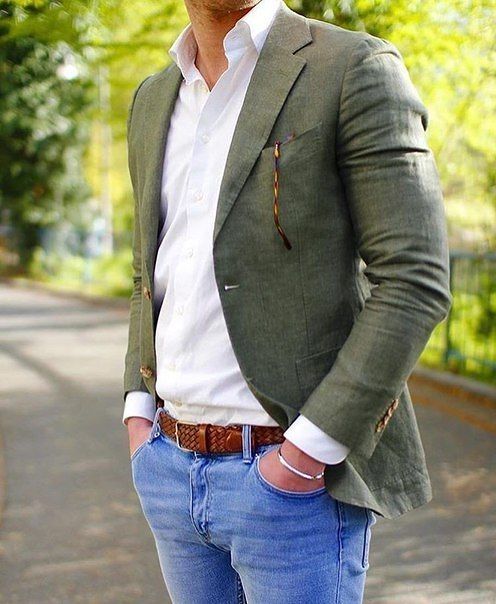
[
  {"x": 268, "y": 486},
  {"x": 154, "y": 432},
  {"x": 138, "y": 450}
]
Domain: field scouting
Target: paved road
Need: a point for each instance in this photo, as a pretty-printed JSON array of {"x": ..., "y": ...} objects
[{"x": 72, "y": 530}]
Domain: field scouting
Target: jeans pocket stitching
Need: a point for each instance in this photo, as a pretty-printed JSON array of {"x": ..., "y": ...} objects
[
  {"x": 277, "y": 490},
  {"x": 138, "y": 450},
  {"x": 366, "y": 539}
]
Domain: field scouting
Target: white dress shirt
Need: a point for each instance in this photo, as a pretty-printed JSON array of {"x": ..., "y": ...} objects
[{"x": 198, "y": 376}]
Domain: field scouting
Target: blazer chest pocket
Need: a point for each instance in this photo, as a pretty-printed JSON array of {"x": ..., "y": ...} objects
[
  {"x": 303, "y": 146},
  {"x": 312, "y": 369}
]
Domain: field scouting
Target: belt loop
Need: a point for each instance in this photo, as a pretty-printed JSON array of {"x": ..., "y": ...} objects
[{"x": 247, "y": 451}]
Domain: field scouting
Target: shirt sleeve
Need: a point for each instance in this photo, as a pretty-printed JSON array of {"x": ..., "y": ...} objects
[
  {"x": 138, "y": 404},
  {"x": 315, "y": 442}
]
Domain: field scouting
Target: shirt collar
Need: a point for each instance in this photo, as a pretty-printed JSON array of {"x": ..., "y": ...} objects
[{"x": 252, "y": 28}]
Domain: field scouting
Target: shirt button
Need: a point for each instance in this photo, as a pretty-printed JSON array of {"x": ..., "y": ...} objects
[
  {"x": 179, "y": 310},
  {"x": 171, "y": 365},
  {"x": 205, "y": 138},
  {"x": 189, "y": 252},
  {"x": 198, "y": 195}
]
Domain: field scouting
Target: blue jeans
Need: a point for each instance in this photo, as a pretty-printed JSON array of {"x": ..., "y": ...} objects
[{"x": 225, "y": 535}]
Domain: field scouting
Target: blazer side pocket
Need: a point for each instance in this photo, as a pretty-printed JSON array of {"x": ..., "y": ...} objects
[{"x": 312, "y": 369}]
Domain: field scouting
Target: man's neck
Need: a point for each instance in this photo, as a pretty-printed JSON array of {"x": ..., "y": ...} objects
[{"x": 210, "y": 24}]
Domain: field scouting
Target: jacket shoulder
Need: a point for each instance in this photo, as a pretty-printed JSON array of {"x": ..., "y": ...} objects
[
  {"x": 149, "y": 81},
  {"x": 339, "y": 42},
  {"x": 142, "y": 91}
]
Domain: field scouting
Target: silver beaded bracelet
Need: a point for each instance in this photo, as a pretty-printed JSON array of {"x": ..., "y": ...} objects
[{"x": 295, "y": 470}]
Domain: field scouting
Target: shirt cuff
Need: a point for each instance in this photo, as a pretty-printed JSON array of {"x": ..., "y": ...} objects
[
  {"x": 139, "y": 404},
  {"x": 315, "y": 442}
]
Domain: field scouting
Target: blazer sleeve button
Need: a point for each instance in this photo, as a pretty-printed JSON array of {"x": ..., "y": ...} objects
[
  {"x": 147, "y": 293},
  {"x": 146, "y": 372}
]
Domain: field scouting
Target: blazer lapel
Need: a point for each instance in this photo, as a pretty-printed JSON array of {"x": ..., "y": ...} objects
[{"x": 275, "y": 72}]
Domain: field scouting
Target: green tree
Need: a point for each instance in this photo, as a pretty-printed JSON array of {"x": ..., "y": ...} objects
[{"x": 43, "y": 96}]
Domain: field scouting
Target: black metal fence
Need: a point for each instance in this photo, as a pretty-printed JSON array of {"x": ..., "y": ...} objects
[{"x": 465, "y": 342}]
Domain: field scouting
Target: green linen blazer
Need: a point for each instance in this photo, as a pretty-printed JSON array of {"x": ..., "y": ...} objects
[{"x": 332, "y": 327}]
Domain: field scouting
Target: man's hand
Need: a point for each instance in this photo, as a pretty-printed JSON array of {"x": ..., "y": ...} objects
[
  {"x": 278, "y": 475},
  {"x": 138, "y": 430}
]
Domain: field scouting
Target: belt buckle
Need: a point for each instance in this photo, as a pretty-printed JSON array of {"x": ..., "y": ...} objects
[{"x": 177, "y": 433}]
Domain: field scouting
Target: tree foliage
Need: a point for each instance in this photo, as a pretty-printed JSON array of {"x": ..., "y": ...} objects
[{"x": 42, "y": 135}]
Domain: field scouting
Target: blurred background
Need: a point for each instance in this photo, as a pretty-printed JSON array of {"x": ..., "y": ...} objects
[{"x": 67, "y": 72}]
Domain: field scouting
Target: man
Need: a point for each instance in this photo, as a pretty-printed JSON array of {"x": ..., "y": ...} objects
[{"x": 267, "y": 407}]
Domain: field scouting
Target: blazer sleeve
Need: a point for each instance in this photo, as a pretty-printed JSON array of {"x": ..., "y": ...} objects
[
  {"x": 395, "y": 203},
  {"x": 132, "y": 377}
]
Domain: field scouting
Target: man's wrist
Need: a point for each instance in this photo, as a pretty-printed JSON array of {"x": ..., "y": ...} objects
[
  {"x": 136, "y": 420},
  {"x": 299, "y": 459}
]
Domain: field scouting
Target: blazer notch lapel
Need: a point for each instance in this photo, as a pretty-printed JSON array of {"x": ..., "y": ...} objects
[{"x": 276, "y": 71}]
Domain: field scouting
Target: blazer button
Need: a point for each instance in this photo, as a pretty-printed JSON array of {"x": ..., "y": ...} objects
[
  {"x": 147, "y": 293},
  {"x": 146, "y": 371}
]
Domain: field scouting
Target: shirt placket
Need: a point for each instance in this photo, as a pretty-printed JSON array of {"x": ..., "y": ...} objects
[{"x": 198, "y": 207}]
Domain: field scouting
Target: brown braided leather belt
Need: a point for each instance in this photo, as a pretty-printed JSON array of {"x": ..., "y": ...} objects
[{"x": 214, "y": 438}]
